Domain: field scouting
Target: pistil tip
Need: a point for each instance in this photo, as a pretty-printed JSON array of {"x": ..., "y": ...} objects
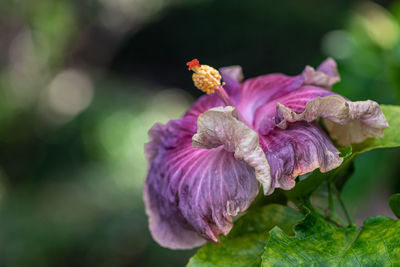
[{"x": 193, "y": 64}]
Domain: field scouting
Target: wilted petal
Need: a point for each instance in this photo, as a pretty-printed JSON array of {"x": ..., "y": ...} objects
[
  {"x": 329, "y": 67},
  {"x": 300, "y": 148},
  {"x": 325, "y": 76},
  {"x": 191, "y": 193},
  {"x": 221, "y": 127},
  {"x": 262, "y": 90},
  {"x": 347, "y": 122}
]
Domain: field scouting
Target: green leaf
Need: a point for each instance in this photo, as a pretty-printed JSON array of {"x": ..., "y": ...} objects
[
  {"x": 392, "y": 135},
  {"x": 394, "y": 203},
  {"x": 245, "y": 243},
  {"x": 319, "y": 243}
]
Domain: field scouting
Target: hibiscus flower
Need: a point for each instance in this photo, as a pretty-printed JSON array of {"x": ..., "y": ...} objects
[{"x": 208, "y": 165}]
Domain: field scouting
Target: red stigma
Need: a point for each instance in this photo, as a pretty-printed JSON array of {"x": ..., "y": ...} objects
[{"x": 193, "y": 64}]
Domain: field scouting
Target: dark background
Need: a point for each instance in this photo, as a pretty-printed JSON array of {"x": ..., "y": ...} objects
[{"x": 81, "y": 82}]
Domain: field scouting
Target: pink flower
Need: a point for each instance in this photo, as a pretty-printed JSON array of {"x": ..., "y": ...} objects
[{"x": 207, "y": 166}]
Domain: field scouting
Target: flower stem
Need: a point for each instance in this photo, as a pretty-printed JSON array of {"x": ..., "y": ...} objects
[
  {"x": 331, "y": 206},
  {"x": 339, "y": 198},
  {"x": 304, "y": 205}
]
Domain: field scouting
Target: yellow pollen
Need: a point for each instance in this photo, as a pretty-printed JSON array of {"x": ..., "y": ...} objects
[{"x": 206, "y": 78}]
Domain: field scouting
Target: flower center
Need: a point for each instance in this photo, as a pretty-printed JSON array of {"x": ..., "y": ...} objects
[{"x": 208, "y": 80}]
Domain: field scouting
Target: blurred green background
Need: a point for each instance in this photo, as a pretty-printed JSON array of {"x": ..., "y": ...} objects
[{"x": 82, "y": 81}]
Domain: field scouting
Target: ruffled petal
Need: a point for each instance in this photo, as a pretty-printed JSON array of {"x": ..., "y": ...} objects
[
  {"x": 190, "y": 193},
  {"x": 325, "y": 76},
  {"x": 221, "y": 127},
  {"x": 300, "y": 148},
  {"x": 347, "y": 122},
  {"x": 262, "y": 90}
]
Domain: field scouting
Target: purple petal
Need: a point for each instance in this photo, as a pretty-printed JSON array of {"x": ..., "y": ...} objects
[
  {"x": 347, "y": 122},
  {"x": 300, "y": 148},
  {"x": 258, "y": 91},
  {"x": 221, "y": 127},
  {"x": 266, "y": 117},
  {"x": 191, "y": 193},
  {"x": 232, "y": 76},
  {"x": 203, "y": 104}
]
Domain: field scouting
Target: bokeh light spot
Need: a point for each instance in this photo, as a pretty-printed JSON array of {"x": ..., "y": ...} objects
[
  {"x": 70, "y": 92},
  {"x": 379, "y": 24},
  {"x": 337, "y": 44}
]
